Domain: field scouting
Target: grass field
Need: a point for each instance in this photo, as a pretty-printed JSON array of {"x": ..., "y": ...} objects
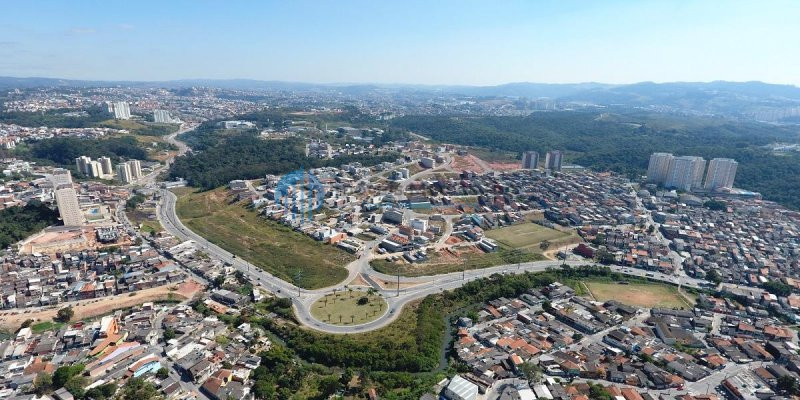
[
  {"x": 343, "y": 308},
  {"x": 287, "y": 254},
  {"x": 640, "y": 294},
  {"x": 441, "y": 265},
  {"x": 526, "y": 236},
  {"x": 46, "y": 326}
]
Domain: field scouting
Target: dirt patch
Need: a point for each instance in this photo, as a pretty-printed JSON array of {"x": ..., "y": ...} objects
[
  {"x": 94, "y": 307},
  {"x": 385, "y": 284},
  {"x": 501, "y": 166},
  {"x": 468, "y": 163},
  {"x": 359, "y": 281}
]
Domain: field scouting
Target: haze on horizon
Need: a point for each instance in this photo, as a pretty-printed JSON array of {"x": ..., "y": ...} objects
[{"x": 414, "y": 42}]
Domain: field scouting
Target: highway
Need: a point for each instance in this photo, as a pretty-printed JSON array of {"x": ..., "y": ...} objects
[{"x": 412, "y": 288}]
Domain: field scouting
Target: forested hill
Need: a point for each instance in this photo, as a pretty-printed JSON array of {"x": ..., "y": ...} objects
[
  {"x": 623, "y": 142},
  {"x": 245, "y": 156}
]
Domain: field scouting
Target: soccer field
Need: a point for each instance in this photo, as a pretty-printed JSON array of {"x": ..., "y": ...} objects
[
  {"x": 639, "y": 294},
  {"x": 526, "y": 235}
]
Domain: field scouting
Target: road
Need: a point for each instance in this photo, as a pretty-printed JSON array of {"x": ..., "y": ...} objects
[{"x": 411, "y": 288}]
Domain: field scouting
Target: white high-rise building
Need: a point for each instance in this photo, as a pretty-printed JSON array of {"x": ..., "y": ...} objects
[
  {"x": 686, "y": 173},
  {"x": 162, "y": 116},
  {"x": 82, "y": 164},
  {"x": 105, "y": 164},
  {"x": 122, "y": 110},
  {"x": 658, "y": 168},
  {"x": 124, "y": 172},
  {"x": 66, "y": 199},
  {"x": 552, "y": 160},
  {"x": 94, "y": 169},
  {"x": 61, "y": 176},
  {"x": 530, "y": 160},
  {"x": 136, "y": 169},
  {"x": 721, "y": 173}
]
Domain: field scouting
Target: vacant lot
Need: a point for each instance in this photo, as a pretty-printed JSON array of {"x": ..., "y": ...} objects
[
  {"x": 639, "y": 294},
  {"x": 343, "y": 308},
  {"x": 101, "y": 306},
  {"x": 454, "y": 260},
  {"x": 527, "y": 235},
  {"x": 289, "y": 255}
]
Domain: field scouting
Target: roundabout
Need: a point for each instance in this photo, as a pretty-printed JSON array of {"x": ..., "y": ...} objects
[{"x": 349, "y": 307}]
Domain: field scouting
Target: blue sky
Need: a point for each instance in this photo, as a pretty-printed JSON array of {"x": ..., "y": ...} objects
[{"x": 408, "y": 41}]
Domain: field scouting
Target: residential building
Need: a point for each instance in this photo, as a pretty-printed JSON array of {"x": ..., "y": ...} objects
[
  {"x": 122, "y": 110},
  {"x": 552, "y": 160},
  {"x": 721, "y": 173},
  {"x": 105, "y": 165},
  {"x": 67, "y": 202},
  {"x": 686, "y": 173},
  {"x": 658, "y": 168},
  {"x": 124, "y": 172},
  {"x": 136, "y": 169},
  {"x": 161, "y": 116},
  {"x": 530, "y": 160}
]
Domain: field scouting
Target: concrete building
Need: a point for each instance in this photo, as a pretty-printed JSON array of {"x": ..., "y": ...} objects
[
  {"x": 67, "y": 200},
  {"x": 530, "y": 160},
  {"x": 658, "y": 168},
  {"x": 686, "y": 173},
  {"x": 122, "y": 110},
  {"x": 552, "y": 160},
  {"x": 124, "y": 172},
  {"x": 61, "y": 176},
  {"x": 721, "y": 173},
  {"x": 427, "y": 162},
  {"x": 460, "y": 389},
  {"x": 136, "y": 169},
  {"x": 86, "y": 166},
  {"x": 105, "y": 165},
  {"x": 162, "y": 116}
]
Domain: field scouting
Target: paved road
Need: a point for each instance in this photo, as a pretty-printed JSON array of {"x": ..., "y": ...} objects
[{"x": 303, "y": 299}]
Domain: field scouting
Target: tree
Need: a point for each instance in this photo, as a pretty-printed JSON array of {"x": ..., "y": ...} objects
[
  {"x": 363, "y": 300},
  {"x": 139, "y": 389},
  {"x": 788, "y": 384},
  {"x": 64, "y": 373},
  {"x": 714, "y": 276},
  {"x": 102, "y": 392},
  {"x": 43, "y": 384},
  {"x": 329, "y": 385},
  {"x": 531, "y": 372},
  {"x": 544, "y": 245},
  {"x": 76, "y": 386},
  {"x": 65, "y": 314},
  {"x": 169, "y": 334},
  {"x": 162, "y": 373}
]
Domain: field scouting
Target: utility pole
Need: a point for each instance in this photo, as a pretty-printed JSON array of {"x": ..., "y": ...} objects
[{"x": 398, "y": 285}]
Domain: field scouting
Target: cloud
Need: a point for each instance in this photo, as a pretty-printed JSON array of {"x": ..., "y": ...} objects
[
  {"x": 81, "y": 31},
  {"x": 126, "y": 27}
]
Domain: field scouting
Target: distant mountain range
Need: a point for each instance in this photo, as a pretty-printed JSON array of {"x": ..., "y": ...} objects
[{"x": 751, "y": 100}]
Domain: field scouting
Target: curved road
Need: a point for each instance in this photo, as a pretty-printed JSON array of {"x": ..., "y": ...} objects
[{"x": 416, "y": 287}]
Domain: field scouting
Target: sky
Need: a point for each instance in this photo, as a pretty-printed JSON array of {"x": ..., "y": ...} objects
[{"x": 438, "y": 42}]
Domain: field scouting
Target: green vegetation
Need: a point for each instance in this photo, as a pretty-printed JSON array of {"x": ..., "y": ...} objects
[
  {"x": 623, "y": 142},
  {"x": 46, "y": 326},
  {"x": 19, "y": 222},
  {"x": 139, "y": 389},
  {"x": 289, "y": 255},
  {"x": 441, "y": 265},
  {"x": 64, "y": 314},
  {"x": 63, "y": 151},
  {"x": 140, "y": 128},
  {"x": 350, "y": 307},
  {"x": 526, "y": 235},
  {"x": 56, "y": 118},
  {"x": 222, "y": 157}
]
